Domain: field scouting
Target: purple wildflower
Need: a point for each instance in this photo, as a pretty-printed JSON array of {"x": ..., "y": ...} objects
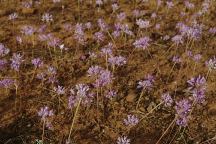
[
  {"x": 197, "y": 57},
  {"x": 176, "y": 59},
  {"x": 19, "y": 39},
  {"x": 46, "y": 17},
  {"x": 37, "y": 62},
  {"x": 147, "y": 83},
  {"x": 60, "y": 90},
  {"x": 79, "y": 34},
  {"x": 82, "y": 90},
  {"x": 107, "y": 50},
  {"x": 28, "y": 30},
  {"x": 94, "y": 70},
  {"x": 99, "y": 2},
  {"x": 6, "y": 83},
  {"x": 211, "y": 63},
  {"x": 104, "y": 78},
  {"x": 123, "y": 140},
  {"x": 117, "y": 60},
  {"x": 189, "y": 5},
  {"x": 102, "y": 24},
  {"x": 199, "y": 95},
  {"x": 45, "y": 112},
  {"x": 212, "y": 30},
  {"x": 142, "y": 43},
  {"x": 143, "y": 24},
  {"x": 169, "y": 4},
  {"x": 27, "y": 4},
  {"x": 53, "y": 42},
  {"x": 3, "y": 50},
  {"x": 197, "y": 82},
  {"x": 121, "y": 16},
  {"x": 71, "y": 101},
  {"x": 16, "y": 61},
  {"x": 167, "y": 99},
  {"x": 182, "y": 108},
  {"x": 115, "y": 7},
  {"x": 110, "y": 94},
  {"x": 131, "y": 120},
  {"x": 88, "y": 25},
  {"x": 178, "y": 39},
  {"x": 13, "y": 16},
  {"x": 125, "y": 28},
  {"x": 99, "y": 36},
  {"x": 2, "y": 63}
]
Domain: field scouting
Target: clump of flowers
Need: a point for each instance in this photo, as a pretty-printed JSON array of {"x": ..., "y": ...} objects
[
  {"x": 2, "y": 64},
  {"x": 131, "y": 120},
  {"x": 46, "y": 17},
  {"x": 13, "y": 16},
  {"x": 211, "y": 64},
  {"x": 183, "y": 109},
  {"x": 197, "y": 87},
  {"x": 143, "y": 24},
  {"x": 102, "y": 77},
  {"x": 59, "y": 90},
  {"x": 28, "y": 30},
  {"x": 45, "y": 113},
  {"x": 3, "y": 50},
  {"x": 167, "y": 99},
  {"x": 79, "y": 34},
  {"x": 81, "y": 91},
  {"x": 6, "y": 83},
  {"x": 37, "y": 62},
  {"x": 117, "y": 60},
  {"x": 147, "y": 83},
  {"x": 123, "y": 140},
  {"x": 16, "y": 61},
  {"x": 142, "y": 43}
]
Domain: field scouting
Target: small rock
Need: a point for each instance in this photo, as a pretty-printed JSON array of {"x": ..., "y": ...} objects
[
  {"x": 131, "y": 96},
  {"x": 151, "y": 106},
  {"x": 28, "y": 10}
]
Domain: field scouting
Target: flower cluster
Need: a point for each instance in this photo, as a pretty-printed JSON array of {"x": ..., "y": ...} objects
[
  {"x": 59, "y": 90},
  {"x": 147, "y": 83},
  {"x": 6, "y": 83},
  {"x": 13, "y": 16},
  {"x": 131, "y": 120},
  {"x": 142, "y": 43},
  {"x": 3, "y": 50},
  {"x": 37, "y": 62},
  {"x": 16, "y": 61},
  {"x": 117, "y": 60},
  {"x": 45, "y": 113},
  {"x": 81, "y": 91},
  {"x": 102, "y": 77},
  {"x": 143, "y": 24},
  {"x": 46, "y": 17},
  {"x": 197, "y": 87},
  {"x": 183, "y": 109},
  {"x": 2, "y": 64},
  {"x": 167, "y": 99},
  {"x": 123, "y": 140},
  {"x": 211, "y": 63},
  {"x": 28, "y": 30},
  {"x": 79, "y": 34}
]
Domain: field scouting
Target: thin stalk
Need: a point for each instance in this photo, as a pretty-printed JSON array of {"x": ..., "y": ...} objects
[
  {"x": 151, "y": 111},
  {"x": 166, "y": 130},
  {"x": 44, "y": 121},
  {"x": 73, "y": 121},
  {"x": 140, "y": 98}
]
